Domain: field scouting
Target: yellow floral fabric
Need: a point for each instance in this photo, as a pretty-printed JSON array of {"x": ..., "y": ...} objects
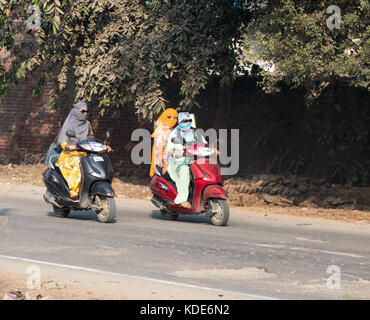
[{"x": 69, "y": 165}]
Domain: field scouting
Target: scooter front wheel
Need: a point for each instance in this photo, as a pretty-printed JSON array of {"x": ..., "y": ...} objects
[
  {"x": 61, "y": 212},
  {"x": 107, "y": 210},
  {"x": 221, "y": 211}
]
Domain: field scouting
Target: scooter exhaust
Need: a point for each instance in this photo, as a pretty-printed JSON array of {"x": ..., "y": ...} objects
[
  {"x": 49, "y": 198},
  {"x": 158, "y": 203}
]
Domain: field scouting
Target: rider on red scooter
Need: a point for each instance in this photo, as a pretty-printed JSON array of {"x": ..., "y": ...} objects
[{"x": 178, "y": 164}]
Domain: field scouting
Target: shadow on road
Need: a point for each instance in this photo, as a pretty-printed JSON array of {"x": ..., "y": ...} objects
[
  {"x": 193, "y": 218},
  {"x": 80, "y": 215},
  {"x": 7, "y": 211}
]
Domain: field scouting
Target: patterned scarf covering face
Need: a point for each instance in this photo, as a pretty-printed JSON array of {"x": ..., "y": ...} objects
[
  {"x": 185, "y": 129},
  {"x": 76, "y": 121}
]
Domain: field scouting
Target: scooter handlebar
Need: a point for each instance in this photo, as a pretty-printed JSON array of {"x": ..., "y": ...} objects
[{"x": 199, "y": 151}]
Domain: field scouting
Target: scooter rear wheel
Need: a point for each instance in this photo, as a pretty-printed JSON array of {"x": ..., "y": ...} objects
[
  {"x": 222, "y": 212},
  {"x": 61, "y": 212}
]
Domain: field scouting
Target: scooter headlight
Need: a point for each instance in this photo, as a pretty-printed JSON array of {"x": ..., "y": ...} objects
[
  {"x": 86, "y": 146},
  {"x": 201, "y": 152},
  {"x": 97, "y": 147},
  {"x": 95, "y": 174}
]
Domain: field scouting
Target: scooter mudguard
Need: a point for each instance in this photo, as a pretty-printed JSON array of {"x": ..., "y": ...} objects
[
  {"x": 55, "y": 183},
  {"x": 102, "y": 188},
  {"x": 213, "y": 191},
  {"x": 162, "y": 188}
]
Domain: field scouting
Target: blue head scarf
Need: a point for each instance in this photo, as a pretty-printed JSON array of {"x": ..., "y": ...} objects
[{"x": 184, "y": 128}]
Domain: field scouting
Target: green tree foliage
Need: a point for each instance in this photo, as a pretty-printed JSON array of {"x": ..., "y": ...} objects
[
  {"x": 121, "y": 51},
  {"x": 295, "y": 36}
]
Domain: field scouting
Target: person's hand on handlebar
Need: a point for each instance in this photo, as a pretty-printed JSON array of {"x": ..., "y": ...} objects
[
  {"x": 71, "y": 147},
  {"x": 177, "y": 154}
]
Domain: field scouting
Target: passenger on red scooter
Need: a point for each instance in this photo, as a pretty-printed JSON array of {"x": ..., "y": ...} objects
[
  {"x": 178, "y": 164},
  {"x": 165, "y": 122}
]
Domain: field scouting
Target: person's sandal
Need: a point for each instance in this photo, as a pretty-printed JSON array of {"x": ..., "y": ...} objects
[
  {"x": 185, "y": 204},
  {"x": 75, "y": 199}
]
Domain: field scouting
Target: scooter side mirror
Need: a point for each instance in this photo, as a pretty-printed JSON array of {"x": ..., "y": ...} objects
[
  {"x": 71, "y": 134},
  {"x": 107, "y": 135}
]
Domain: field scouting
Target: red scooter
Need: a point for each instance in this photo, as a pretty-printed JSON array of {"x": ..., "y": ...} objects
[{"x": 206, "y": 193}]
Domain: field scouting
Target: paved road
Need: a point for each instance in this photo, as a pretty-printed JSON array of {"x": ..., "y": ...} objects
[{"x": 257, "y": 256}]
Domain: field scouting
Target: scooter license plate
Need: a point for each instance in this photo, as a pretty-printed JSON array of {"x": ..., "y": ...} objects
[{"x": 98, "y": 159}]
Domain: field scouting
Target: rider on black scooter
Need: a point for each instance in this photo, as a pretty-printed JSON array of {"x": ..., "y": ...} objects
[{"x": 69, "y": 160}]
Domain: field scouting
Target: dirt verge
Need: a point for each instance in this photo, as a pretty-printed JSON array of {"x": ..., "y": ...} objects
[
  {"x": 14, "y": 287},
  {"x": 22, "y": 280}
]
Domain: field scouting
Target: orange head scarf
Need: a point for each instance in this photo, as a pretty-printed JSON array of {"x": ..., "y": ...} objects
[{"x": 168, "y": 118}]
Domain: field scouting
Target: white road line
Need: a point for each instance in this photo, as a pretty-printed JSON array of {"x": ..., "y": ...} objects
[
  {"x": 175, "y": 283},
  {"x": 329, "y": 252},
  {"x": 312, "y": 240},
  {"x": 278, "y": 246},
  {"x": 275, "y": 246}
]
